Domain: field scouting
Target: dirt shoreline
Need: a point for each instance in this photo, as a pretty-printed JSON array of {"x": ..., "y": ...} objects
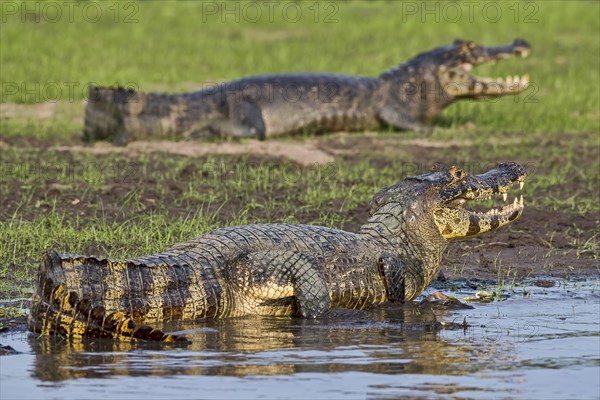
[{"x": 542, "y": 243}]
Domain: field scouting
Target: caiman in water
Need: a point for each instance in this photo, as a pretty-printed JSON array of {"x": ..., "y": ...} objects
[{"x": 275, "y": 269}]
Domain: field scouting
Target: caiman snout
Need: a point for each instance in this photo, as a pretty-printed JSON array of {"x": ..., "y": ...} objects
[
  {"x": 521, "y": 47},
  {"x": 459, "y": 81},
  {"x": 456, "y": 222}
]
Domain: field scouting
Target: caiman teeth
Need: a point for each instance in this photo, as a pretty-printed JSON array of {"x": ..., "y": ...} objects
[
  {"x": 504, "y": 196},
  {"x": 521, "y": 184},
  {"x": 506, "y": 210},
  {"x": 523, "y": 53},
  {"x": 509, "y": 80},
  {"x": 516, "y": 80}
]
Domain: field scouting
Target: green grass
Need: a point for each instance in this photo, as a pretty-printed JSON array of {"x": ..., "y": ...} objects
[
  {"x": 177, "y": 47},
  {"x": 126, "y": 206}
]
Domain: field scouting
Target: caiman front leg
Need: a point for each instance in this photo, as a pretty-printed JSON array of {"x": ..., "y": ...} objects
[
  {"x": 392, "y": 269},
  {"x": 399, "y": 121},
  {"x": 278, "y": 275}
]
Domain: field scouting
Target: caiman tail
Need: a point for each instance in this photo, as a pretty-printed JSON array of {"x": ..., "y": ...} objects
[
  {"x": 73, "y": 298},
  {"x": 121, "y": 115},
  {"x": 104, "y": 113}
]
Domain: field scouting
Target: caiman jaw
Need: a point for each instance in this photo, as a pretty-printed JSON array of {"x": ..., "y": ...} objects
[
  {"x": 455, "y": 222},
  {"x": 458, "y": 81}
]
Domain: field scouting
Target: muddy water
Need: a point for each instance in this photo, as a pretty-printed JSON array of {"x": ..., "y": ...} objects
[{"x": 538, "y": 343}]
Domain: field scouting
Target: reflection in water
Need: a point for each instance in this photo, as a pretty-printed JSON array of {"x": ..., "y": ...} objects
[
  {"x": 540, "y": 342},
  {"x": 392, "y": 339}
]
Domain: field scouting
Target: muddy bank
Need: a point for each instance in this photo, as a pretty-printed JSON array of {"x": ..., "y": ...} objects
[{"x": 174, "y": 179}]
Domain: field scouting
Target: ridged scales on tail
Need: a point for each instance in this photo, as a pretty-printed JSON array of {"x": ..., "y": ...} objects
[
  {"x": 405, "y": 97},
  {"x": 274, "y": 269}
]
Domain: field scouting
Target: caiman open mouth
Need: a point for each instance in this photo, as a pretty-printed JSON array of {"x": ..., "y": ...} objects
[
  {"x": 454, "y": 221},
  {"x": 458, "y": 81}
]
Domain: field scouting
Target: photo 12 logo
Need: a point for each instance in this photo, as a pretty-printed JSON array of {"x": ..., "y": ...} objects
[
  {"x": 72, "y": 171},
  {"x": 35, "y": 92},
  {"x": 69, "y": 11},
  {"x": 469, "y": 11},
  {"x": 278, "y": 172},
  {"x": 270, "y": 11},
  {"x": 287, "y": 92}
]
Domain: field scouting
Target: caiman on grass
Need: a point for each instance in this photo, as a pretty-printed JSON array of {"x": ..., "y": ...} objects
[
  {"x": 404, "y": 97},
  {"x": 275, "y": 269}
]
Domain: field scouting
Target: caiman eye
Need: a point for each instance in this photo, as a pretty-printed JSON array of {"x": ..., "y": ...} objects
[{"x": 457, "y": 173}]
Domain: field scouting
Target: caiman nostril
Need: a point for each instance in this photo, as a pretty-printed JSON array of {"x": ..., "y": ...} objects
[{"x": 521, "y": 43}]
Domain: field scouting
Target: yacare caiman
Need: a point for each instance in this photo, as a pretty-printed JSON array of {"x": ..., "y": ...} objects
[
  {"x": 405, "y": 97},
  {"x": 275, "y": 269}
]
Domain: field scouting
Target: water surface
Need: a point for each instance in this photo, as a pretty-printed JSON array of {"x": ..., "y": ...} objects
[{"x": 538, "y": 343}]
